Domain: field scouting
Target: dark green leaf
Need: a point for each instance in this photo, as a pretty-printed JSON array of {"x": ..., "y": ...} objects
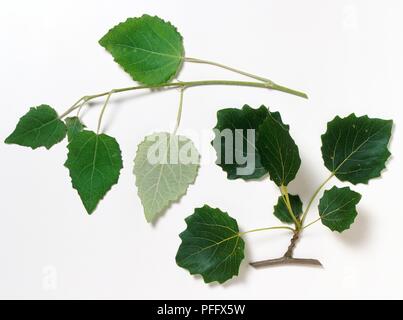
[
  {"x": 355, "y": 149},
  {"x": 148, "y": 48},
  {"x": 211, "y": 245},
  {"x": 94, "y": 162},
  {"x": 74, "y": 126},
  {"x": 40, "y": 127},
  {"x": 337, "y": 208},
  {"x": 281, "y": 211},
  {"x": 279, "y": 153},
  {"x": 235, "y": 137}
]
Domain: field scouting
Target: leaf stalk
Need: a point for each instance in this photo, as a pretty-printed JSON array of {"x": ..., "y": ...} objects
[
  {"x": 286, "y": 199},
  {"x": 266, "y": 229},
  {"x": 315, "y": 194}
]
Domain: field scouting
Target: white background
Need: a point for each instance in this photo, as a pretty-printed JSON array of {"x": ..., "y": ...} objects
[{"x": 347, "y": 55}]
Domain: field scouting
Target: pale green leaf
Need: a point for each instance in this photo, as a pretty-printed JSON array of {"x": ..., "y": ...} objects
[{"x": 165, "y": 165}]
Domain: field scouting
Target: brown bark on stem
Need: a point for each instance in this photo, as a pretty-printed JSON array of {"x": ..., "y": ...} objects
[{"x": 288, "y": 257}]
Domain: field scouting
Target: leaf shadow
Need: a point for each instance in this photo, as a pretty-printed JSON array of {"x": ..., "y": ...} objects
[
  {"x": 117, "y": 102},
  {"x": 305, "y": 182},
  {"x": 358, "y": 233},
  {"x": 171, "y": 207},
  {"x": 163, "y": 214}
]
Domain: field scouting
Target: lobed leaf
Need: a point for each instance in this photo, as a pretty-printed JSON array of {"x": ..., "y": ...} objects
[
  {"x": 211, "y": 245},
  {"x": 94, "y": 162},
  {"x": 281, "y": 211},
  {"x": 337, "y": 208},
  {"x": 40, "y": 127},
  {"x": 148, "y": 48},
  {"x": 355, "y": 149},
  {"x": 165, "y": 166}
]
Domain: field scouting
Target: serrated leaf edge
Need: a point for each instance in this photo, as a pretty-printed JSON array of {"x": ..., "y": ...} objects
[
  {"x": 7, "y": 140},
  {"x": 237, "y": 235},
  {"x": 170, "y": 201},
  {"x": 388, "y": 153},
  {"x": 244, "y": 108},
  {"x": 349, "y": 227},
  {"x": 114, "y": 182},
  {"x": 181, "y": 58}
]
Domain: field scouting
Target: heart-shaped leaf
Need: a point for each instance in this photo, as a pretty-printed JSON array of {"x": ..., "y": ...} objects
[
  {"x": 94, "y": 162},
  {"x": 40, "y": 127},
  {"x": 337, "y": 208},
  {"x": 279, "y": 153},
  {"x": 165, "y": 166},
  {"x": 211, "y": 245},
  {"x": 355, "y": 149},
  {"x": 148, "y": 48}
]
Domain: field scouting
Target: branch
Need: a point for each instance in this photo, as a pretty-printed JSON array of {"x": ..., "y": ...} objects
[
  {"x": 264, "y": 85},
  {"x": 288, "y": 257},
  {"x": 285, "y": 261}
]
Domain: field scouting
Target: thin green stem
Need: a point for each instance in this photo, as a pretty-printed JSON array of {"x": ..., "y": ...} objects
[
  {"x": 80, "y": 107},
  {"x": 266, "y": 229},
  {"x": 73, "y": 107},
  {"x": 286, "y": 199},
  {"x": 103, "y": 110},
  {"x": 249, "y": 75},
  {"x": 79, "y": 110},
  {"x": 212, "y": 63},
  {"x": 264, "y": 85},
  {"x": 180, "y": 109},
  {"x": 290, "y": 91},
  {"x": 314, "y": 197},
  {"x": 311, "y": 223}
]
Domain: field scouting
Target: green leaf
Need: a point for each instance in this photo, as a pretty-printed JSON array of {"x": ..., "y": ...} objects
[
  {"x": 148, "y": 48},
  {"x": 281, "y": 211},
  {"x": 40, "y": 127},
  {"x": 74, "y": 126},
  {"x": 234, "y": 142},
  {"x": 337, "y": 208},
  {"x": 94, "y": 162},
  {"x": 279, "y": 153},
  {"x": 211, "y": 245},
  {"x": 355, "y": 149},
  {"x": 165, "y": 165}
]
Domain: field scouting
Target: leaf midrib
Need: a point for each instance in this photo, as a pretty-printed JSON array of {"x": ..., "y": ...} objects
[
  {"x": 357, "y": 149},
  {"x": 38, "y": 128},
  {"x": 93, "y": 167},
  {"x": 179, "y": 57},
  {"x": 213, "y": 245}
]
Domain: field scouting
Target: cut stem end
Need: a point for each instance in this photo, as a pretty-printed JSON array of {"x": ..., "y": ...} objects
[{"x": 286, "y": 261}]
